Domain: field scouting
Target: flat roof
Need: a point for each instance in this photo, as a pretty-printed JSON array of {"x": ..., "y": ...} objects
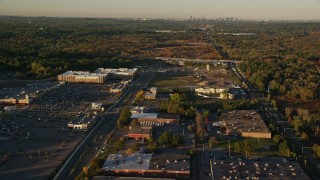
[
  {"x": 122, "y": 71},
  {"x": 141, "y": 161},
  {"x": 139, "y": 130},
  {"x": 100, "y": 72},
  {"x": 144, "y": 115},
  {"x": 135, "y": 161},
  {"x": 170, "y": 162},
  {"x": 168, "y": 116},
  {"x": 244, "y": 121},
  {"x": 266, "y": 168}
]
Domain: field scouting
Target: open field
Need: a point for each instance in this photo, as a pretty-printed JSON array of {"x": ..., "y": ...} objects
[
  {"x": 174, "y": 81},
  {"x": 197, "y": 77}
]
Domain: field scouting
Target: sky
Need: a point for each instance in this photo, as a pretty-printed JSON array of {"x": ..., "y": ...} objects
[{"x": 245, "y": 9}]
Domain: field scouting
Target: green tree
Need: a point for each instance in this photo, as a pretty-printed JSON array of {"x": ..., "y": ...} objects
[
  {"x": 124, "y": 118},
  {"x": 237, "y": 147},
  {"x": 166, "y": 139},
  {"x": 175, "y": 98},
  {"x": 139, "y": 95},
  {"x": 177, "y": 140},
  {"x": 205, "y": 114},
  {"x": 283, "y": 149},
  {"x": 276, "y": 138},
  {"x": 118, "y": 144},
  {"x": 152, "y": 144}
]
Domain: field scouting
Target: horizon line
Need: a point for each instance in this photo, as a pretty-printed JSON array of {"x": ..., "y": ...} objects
[{"x": 166, "y": 18}]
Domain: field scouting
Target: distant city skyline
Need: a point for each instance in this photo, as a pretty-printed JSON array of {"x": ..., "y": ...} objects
[{"x": 244, "y": 9}]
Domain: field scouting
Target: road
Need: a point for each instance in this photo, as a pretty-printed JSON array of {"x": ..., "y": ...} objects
[{"x": 91, "y": 143}]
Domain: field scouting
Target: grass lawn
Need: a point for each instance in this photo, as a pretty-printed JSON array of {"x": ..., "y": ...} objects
[{"x": 173, "y": 81}]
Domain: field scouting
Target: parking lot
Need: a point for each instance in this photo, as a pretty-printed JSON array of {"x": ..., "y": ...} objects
[{"x": 35, "y": 139}]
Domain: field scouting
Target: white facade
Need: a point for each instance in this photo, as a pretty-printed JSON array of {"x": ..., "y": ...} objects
[{"x": 210, "y": 90}]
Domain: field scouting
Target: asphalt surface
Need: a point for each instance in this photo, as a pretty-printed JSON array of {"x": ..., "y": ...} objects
[{"x": 95, "y": 138}]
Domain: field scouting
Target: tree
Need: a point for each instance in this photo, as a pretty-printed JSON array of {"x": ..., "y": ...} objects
[
  {"x": 225, "y": 94},
  {"x": 246, "y": 147},
  {"x": 118, "y": 144},
  {"x": 139, "y": 95},
  {"x": 237, "y": 147},
  {"x": 177, "y": 140},
  {"x": 124, "y": 118},
  {"x": 175, "y": 98},
  {"x": 276, "y": 138},
  {"x": 199, "y": 123},
  {"x": 152, "y": 144},
  {"x": 316, "y": 148},
  {"x": 134, "y": 147},
  {"x": 283, "y": 148},
  {"x": 212, "y": 141},
  {"x": 205, "y": 115},
  {"x": 304, "y": 136},
  {"x": 165, "y": 139},
  {"x": 190, "y": 112}
]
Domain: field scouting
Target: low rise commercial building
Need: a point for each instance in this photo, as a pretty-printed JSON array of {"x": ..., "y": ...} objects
[
  {"x": 221, "y": 92},
  {"x": 151, "y": 93},
  {"x": 148, "y": 165},
  {"x": 136, "y": 110},
  {"x": 99, "y": 76},
  {"x": 247, "y": 123},
  {"x": 156, "y": 117},
  {"x": 117, "y": 73},
  {"x": 210, "y": 90},
  {"x": 265, "y": 168},
  {"x": 140, "y": 132},
  {"x": 81, "y": 123},
  {"x": 25, "y": 95},
  {"x": 117, "y": 88},
  {"x": 82, "y": 77},
  {"x": 97, "y": 106}
]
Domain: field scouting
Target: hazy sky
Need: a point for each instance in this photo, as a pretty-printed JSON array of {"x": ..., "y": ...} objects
[{"x": 262, "y": 9}]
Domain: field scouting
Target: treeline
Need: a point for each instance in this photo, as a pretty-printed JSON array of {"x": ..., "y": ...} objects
[
  {"x": 39, "y": 47},
  {"x": 295, "y": 78},
  {"x": 27, "y": 67},
  {"x": 305, "y": 124},
  {"x": 269, "y": 40}
]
